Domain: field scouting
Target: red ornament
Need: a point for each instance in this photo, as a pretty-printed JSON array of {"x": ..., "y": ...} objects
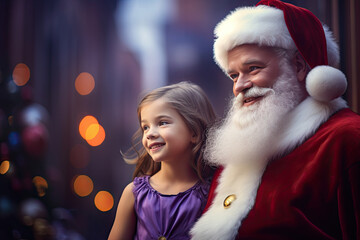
[{"x": 35, "y": 139}]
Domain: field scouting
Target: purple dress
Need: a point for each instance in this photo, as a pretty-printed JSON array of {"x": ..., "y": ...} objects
[{"x": 162, "y": 216}]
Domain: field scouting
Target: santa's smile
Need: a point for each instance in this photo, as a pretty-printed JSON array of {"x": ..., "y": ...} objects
[{"x": 251, "y": 100}]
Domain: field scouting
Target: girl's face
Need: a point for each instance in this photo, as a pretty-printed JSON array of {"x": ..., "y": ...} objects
[{"x": 165, "y": 134}]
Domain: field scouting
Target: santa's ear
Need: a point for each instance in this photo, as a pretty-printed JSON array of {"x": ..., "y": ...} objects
[
  {"x": 301, "y": 67},
  {"x": 195, "y": 138}
]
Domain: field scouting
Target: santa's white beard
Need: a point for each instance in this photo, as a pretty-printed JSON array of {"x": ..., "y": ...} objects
[{"x": 249, "y": 133}]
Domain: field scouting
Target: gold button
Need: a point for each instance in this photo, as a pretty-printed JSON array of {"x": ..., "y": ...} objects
[
  {"x": 228, "y": 200},
  {"x": 162, "y": 238}
]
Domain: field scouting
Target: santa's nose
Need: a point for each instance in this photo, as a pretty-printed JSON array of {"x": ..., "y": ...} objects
[{"x": 240, "y": 85}]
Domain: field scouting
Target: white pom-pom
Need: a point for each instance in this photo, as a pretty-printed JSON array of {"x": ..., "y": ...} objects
[{"x": 325, "y": 83}]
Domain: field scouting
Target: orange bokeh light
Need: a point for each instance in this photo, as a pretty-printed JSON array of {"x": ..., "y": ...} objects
[
  {"x": 21, "y": 74},
  {"x": 84, "y": 83},
  {"x": 104, "y": 201},
  {"x": 83, "y": 185},
  {"x": 98, "y": 139},
  {"x": 85, "y": 123},
  {"x": 4, "y": 167},
  {"x": 41, "y": 185},
  {"x": 92, "y": 131}
]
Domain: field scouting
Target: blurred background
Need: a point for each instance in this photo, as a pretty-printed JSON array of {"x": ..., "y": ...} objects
[{"x": 71, "y": 75}]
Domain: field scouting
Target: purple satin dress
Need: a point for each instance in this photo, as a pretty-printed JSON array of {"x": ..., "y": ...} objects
[{"x": 169, "y": 216}]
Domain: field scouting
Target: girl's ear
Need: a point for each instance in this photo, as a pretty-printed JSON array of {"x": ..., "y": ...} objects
[{"x": 301, "y": 67}]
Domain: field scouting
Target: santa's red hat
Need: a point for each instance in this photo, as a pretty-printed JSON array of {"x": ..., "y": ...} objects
[{"x": 278, "y": 24}]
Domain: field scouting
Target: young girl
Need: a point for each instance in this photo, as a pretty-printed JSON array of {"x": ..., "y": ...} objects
[{"x": 169, "y": 192}]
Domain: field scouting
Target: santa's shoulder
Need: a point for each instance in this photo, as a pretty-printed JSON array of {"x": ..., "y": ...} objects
[{"x": 345, "y": 123}]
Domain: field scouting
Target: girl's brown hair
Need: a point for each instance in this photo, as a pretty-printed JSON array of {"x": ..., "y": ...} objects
[{"x": 191, "y": 102}]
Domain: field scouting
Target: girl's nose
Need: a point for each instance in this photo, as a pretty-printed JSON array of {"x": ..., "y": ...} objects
[{"x": 151, "y": 133}]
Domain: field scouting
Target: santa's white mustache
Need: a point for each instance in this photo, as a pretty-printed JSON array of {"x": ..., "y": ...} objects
[{"x": 254, "y": 91}]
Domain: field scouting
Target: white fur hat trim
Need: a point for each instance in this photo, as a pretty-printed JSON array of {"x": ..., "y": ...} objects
[{"x": 250, "y": 25}]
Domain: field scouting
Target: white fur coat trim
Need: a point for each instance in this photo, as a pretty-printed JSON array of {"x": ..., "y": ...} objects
[{"x": 243, "y": 179}]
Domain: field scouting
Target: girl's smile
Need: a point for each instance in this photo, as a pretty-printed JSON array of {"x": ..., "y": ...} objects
[{"x": 156, "y": 146}]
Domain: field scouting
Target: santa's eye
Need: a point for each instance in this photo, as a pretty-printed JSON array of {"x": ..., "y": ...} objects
[
  {"x": 253, "y": 68},
  {"x": 233, "y": 76}
]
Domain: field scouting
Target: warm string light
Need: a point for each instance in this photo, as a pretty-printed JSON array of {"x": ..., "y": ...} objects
[
  {"x": 83, "y": 185},
  {"x": 91, "y": 131},
  {"x": 4, "y": 167},
  {"x": 98, "y": 138},
  {"x": 84, "y": 83},
  {"x": 41, "y": 185},
  {"x": 104, "y": 201},
  {"x": 21, "y": 74}
]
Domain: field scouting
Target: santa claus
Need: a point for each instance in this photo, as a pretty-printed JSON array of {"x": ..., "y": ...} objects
[{"x": 288, "y": 151}]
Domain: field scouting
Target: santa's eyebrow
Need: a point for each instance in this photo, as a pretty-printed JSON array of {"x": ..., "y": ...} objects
[
  {"x": 246, "y": 63},
  {"x": 253, "y": 62},
  {"x": 229, "y": 71}
]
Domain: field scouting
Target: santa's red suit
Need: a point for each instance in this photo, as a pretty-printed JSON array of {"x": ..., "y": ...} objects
[{"x": 311, "y": 193}]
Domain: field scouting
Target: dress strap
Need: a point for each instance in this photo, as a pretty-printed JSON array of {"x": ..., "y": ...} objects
[{"x": 140, "y": 183}]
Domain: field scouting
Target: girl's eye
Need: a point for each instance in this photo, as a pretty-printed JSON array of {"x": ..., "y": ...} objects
[
  {"x": 145, "y": 128},
  {"x": 163, "y": 123}
]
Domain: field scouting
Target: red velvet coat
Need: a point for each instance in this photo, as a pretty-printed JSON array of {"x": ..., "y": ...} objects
[{"x": 311, "y": 193}]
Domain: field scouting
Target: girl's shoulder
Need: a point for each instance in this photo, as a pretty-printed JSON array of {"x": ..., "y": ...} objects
[
  {"x": 141, "y": 180},
  {"x": 202, "y": 187},
  {"x": 140, "y": 183}
]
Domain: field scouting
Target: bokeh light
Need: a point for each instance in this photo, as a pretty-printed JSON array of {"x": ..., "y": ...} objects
[
  {"x": 14, "y": 139},
  {"x": 79, "y": 156},
  {"x": 85, "y": 123},
  {"x": 41, "y": 185},
  {"x": 92, "y": 131},
  {"x": 83, "y": 185},
  {"x": 21, "y": 74},
  {"x": 4, "y": 167},
  {"x": 104, "y": 201},
  {"x": 98, "y": 139},
  {"x": 32, "y": 209},
  {"x": 11, "y": 120},
  {"x": 84, "y": 83}
]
